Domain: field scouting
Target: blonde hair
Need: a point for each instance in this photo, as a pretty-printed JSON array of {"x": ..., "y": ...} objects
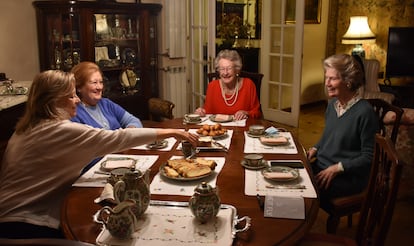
[
  {"x": 45, "y": 92},
  {"x": 349, "y": 69}
]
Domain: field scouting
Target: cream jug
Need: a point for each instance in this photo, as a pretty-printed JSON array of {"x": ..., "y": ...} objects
[{"x": 120, "y": 220}]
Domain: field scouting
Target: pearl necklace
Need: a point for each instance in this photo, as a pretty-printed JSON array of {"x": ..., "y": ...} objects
[{"x": 234, "y": 95}]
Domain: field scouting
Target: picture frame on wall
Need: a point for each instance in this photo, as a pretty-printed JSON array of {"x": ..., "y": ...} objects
[{"x": 312, "y": 11}]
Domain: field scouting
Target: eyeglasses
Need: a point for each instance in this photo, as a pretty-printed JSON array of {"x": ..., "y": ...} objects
[{"x": 225, "y": 69}]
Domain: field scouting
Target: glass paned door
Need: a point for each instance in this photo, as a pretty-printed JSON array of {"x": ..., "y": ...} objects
[
  {"x": 282, "y": 55},
  {"x": 202, "y": 51}
]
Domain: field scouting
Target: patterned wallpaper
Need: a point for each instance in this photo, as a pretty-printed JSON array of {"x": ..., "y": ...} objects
[{"x": 381, "y": 15}]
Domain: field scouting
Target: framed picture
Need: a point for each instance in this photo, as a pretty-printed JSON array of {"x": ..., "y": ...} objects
[{"x": 312, "y": 11}]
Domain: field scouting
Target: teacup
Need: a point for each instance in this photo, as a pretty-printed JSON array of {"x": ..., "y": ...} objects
[
  {"x": 192, "y": 117},
  {"x": 256, "y": 129},
  {"x": 187, "y": 148},
  {"x": 253, "y": 160}
]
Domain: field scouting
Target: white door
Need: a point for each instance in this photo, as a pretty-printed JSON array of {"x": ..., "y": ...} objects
[
  {"x": 281, "y": 59},
  {"x": 202, "y": 48}
]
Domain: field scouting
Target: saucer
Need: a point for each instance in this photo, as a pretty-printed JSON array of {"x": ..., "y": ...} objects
[
  {"x": 254, "y": 135},
  {"x": 192, "y": 122},
  {"x": 262, "y": 164},
  {"x": 162, "y": 144}
]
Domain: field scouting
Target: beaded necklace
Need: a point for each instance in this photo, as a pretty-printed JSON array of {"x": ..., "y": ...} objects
[{"x": 234, "y": 95}]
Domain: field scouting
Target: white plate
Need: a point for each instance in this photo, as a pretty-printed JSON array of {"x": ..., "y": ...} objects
[
  {"x": 213, "y": 118},
  {"x": 105, "y": 167},
  {"x": 279, "y": 169}
]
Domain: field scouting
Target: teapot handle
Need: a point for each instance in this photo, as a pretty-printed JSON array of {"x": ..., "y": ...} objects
[
  {"x": 102, "y": 215},
  {"x": 119, "y": 190}
]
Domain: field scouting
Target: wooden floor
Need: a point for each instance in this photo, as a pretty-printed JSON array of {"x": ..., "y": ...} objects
[{"x": 311, "y": 124}]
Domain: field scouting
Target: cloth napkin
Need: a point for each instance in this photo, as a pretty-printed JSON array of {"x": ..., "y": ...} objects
[
  {"x": 169, "y": 225},
  {"x": 164, "y": 186},
  {"x": 171, "y": 141},
  {"x": 95, "y": 177},
  {"x": 253, "y": 145},
  {"x": 255, "y": 184}
]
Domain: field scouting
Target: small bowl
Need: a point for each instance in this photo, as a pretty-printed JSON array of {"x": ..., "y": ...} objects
[
  {"x": 192, "y": 117},
  {"x": 256, "y": 130},
  {"x": 253, "y": 160}
]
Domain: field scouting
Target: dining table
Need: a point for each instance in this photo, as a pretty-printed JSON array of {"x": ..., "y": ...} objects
[{"x": 79, "y": 205}]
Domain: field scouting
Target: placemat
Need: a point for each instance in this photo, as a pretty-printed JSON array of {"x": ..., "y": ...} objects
[
  {"x": 163, "y": 186},
  {"x": 95, "y": 178},
  {"x": 253, "y": 145},
  {"x": 163, "y": 225},
  {"x": 255, "y": 184}
]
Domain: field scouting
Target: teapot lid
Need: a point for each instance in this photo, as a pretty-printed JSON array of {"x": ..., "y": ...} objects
[{"x": 204, "y": 188}]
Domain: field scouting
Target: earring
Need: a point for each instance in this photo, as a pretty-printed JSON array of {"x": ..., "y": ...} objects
[{"x": 348, "y": 85}]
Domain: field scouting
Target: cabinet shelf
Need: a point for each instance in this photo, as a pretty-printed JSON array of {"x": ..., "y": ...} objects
[{"x": 116, "y": 36}]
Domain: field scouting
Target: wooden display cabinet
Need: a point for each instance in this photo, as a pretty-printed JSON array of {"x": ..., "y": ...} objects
[{"x": 120, "y": 37}]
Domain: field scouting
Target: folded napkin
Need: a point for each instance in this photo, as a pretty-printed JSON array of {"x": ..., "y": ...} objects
[
  {"x": 117, "y": 163},
  {"x": 274, "y": 140},
  {"x": 271, "y": 131},
  {"x": 222, "y": 117},
  {"x": 107, "y": 194},
  {"x": 278, "y": 175}
]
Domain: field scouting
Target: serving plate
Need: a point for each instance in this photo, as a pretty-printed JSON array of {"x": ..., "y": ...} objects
[
  {"x": 217, "y": 137},
  {"x": 160, "y": 145},
  {"x": 181, "y": 178},
  {"x": 279, "y": 169},
  {"x": 160, "y": 216},
  {"x": 125, "y": 162},
  {"x": 213, "y": 118},
  {"x": 261, "y": 165}
]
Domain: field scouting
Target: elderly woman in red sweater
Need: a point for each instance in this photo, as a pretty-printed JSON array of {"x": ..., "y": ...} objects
[{"x": 231, "y": 94}]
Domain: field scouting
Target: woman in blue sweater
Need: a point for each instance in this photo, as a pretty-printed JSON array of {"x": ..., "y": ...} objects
[
  {"x": 95, "y": 110},
  {"x": 345, "y": 150}
]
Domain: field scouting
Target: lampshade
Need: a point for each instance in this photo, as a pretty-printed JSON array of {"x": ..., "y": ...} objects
[{"x": 358, "y": 31}]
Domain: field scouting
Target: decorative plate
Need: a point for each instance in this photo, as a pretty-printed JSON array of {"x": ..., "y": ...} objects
[
  {"x": 112, "y": 163},
  {"x": 214, "y": 118},
  {"x": 157, "y": 145},
  {"x": 180, "y": 178},
  {"x": 261, "y": 165},
  {"x": 278, "y": 173}
]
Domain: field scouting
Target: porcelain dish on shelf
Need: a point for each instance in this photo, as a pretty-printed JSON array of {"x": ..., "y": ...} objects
[{"x": 279, "y": 173}]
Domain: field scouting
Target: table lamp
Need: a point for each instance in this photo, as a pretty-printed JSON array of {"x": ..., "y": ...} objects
[{"x": 358, "y": 33}]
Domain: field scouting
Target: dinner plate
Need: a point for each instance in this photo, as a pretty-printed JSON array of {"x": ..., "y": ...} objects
[
  {"x": 274, "y": 143},
  {"x": 160, "y": 145},
  {"x": 282, "y": 170},
  {"x": 213, "y": 118},
  {"x": 261, "y": 165},
  {"x": 254, "y": 135},
  {"x": 123, "y": 162},
  {"x": 180, "y": 178}
]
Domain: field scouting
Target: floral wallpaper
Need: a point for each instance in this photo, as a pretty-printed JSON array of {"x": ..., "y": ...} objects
[{"x": 382, "y": 14}]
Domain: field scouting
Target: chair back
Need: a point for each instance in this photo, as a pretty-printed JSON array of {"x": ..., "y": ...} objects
[
  {"x": 371, "y": 67},
  {"x": 378, "y": 207},
  {"x": 255, "y": 77},
  {"x": 160, "y": 109},
  {"x": 381, "y": 108}
]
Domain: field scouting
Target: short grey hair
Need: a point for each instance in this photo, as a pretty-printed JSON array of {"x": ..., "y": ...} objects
[{"x": 230, "y": 55}]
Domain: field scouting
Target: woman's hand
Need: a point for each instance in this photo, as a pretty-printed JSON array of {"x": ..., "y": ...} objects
[
  {"x": 325, "y": 177},
  {"x": 241, "y": 115},
  {"x": 311, "y": 153},
  {"x": 200, "y": 111},
  {"x": 178, "y": 134}
]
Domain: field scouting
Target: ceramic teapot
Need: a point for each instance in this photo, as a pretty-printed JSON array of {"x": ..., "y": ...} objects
[
  {"x": 120, "y": 220},
  {"x": 205, "y": 202},
  {"x": 134, "y": 185}
]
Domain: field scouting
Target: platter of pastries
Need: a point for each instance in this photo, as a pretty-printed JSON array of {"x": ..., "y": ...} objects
[
  {"x": 187, "y": 169},
  {"x": 215, "y": 131}
]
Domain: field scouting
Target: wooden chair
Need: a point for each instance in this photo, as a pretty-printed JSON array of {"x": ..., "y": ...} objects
[
  {"x": 160, "y": 109},
  {"x": 379, "y": 203},
  {"x": 347, "y": 206},
  {"x": 255, "y": 77}
]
